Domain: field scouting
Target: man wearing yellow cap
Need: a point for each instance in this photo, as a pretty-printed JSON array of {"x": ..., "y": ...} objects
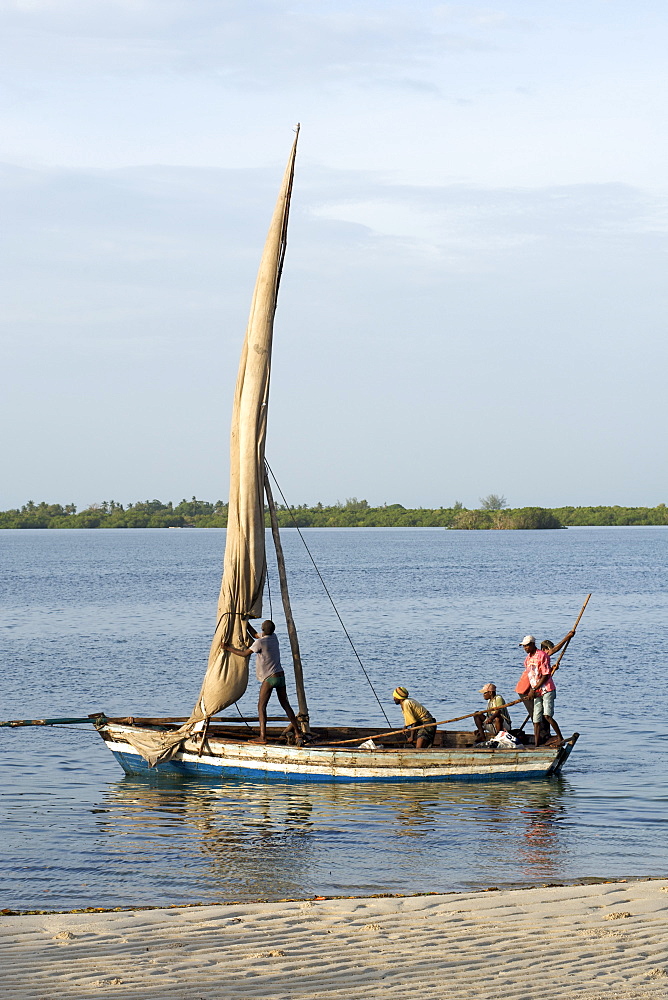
[{"x": 416, "y": 714}]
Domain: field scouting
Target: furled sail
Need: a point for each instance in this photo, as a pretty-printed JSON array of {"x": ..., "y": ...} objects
[{"x": 245, "y": 564}]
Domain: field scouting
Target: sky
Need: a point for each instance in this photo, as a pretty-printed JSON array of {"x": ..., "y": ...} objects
[{"x": 474, "y": 296}]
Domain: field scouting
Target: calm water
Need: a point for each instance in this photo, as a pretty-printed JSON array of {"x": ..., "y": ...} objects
[{"x": 120, "y": 621}]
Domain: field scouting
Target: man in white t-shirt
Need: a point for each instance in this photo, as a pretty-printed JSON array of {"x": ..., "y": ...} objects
[{"x": 269, "y": 672}]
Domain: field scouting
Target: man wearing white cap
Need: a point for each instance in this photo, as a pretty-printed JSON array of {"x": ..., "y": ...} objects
[{"x": 542, "y": 688}]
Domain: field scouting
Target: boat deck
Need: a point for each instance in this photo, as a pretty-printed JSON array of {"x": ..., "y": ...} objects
[{"x": 232, "y": 731}]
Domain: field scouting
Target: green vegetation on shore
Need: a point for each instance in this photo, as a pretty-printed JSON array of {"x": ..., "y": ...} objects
[{"x": 351, "y": 514}]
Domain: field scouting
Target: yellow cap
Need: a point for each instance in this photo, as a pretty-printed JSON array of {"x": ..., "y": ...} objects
[{"x": 400, "y": 693}]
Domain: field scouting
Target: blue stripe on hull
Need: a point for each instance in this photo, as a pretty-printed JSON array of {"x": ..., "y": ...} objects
[{"x": 134, "y": 764}]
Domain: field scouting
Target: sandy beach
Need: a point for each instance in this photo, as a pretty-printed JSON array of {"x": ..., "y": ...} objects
[{"x": 592, "y": 942}]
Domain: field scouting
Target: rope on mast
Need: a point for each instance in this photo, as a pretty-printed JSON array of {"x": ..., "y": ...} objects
[
  {"x": 331, "y": 599},
  {"x": 271, "y": 609}
]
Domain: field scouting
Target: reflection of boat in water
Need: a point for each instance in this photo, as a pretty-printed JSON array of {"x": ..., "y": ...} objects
[
  {"x": 254, "y": 840},
  {"x": 204, "y": 745}
]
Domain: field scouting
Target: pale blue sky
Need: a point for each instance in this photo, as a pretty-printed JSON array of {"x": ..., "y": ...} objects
[{"x": 474, "y": 299}]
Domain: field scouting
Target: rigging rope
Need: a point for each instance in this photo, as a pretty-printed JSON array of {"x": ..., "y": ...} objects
[
  {"x": 236, "y": 705},
  {"x": 271, "y": 610},
  {"x": 331, "y": 599}
]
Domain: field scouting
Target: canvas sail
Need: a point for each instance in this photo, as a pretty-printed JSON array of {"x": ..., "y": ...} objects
[{"x": 245, "y": 564}]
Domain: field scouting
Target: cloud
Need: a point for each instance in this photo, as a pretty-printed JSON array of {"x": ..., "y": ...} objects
[
  {"x": 406, "y": 316},
  {"x": 180, "y": 242},
  {"x": 435, "y": 92},
  {"x": 171, "y": 235},
  {"x": 266, "y": 44},
  {"x": 470, "y": 225}
]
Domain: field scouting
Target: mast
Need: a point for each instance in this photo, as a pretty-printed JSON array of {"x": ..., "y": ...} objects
[{"x": 287, "y": 609}]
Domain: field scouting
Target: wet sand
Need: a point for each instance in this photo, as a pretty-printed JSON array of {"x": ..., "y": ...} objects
[{"x": 591, "y": 942}]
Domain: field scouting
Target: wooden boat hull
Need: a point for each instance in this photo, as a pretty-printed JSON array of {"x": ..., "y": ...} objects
[{"x": 220, "y": 758}]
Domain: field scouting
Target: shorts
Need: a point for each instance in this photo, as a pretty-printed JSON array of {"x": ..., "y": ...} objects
[
  {"x": 543, "y": 704},
  {"x": 426, "y": 733},
  {"x": 275, "y": 681},
  {"x": 488, "y": 724}
]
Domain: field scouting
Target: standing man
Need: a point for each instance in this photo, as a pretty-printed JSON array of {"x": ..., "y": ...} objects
[
  {"x": 269, "y": 672},
  {"x": 542, "y": 688},
  {"x": 416, "y": 714}
]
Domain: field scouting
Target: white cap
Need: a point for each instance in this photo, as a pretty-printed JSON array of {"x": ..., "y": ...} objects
[
  {"x": 487, "y": 687},
  {"x": 527, "y": 640}
]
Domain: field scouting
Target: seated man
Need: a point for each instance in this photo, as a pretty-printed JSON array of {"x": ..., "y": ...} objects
[
  {"x": 414, "y": 714},
  {"x": 496, "y": 718}
]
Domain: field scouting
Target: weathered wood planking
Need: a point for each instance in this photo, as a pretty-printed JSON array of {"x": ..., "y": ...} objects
[{"x": 230, "y": 755}]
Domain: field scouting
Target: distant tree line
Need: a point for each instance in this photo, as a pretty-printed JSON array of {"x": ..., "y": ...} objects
[
  {"x": 111, "y": 514},
  {"x": 492, "y": 514}
]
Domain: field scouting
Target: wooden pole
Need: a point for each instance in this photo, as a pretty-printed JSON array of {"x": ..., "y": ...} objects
[
  {"x": 14, "y": 723},
  {"x": 289, "y": 620},
  {"x": 577, "y": 622},
  {"x": 215, "y": 720},
  {"x": 205, "y": 733},
  {"x": 420, "y": 725}
]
